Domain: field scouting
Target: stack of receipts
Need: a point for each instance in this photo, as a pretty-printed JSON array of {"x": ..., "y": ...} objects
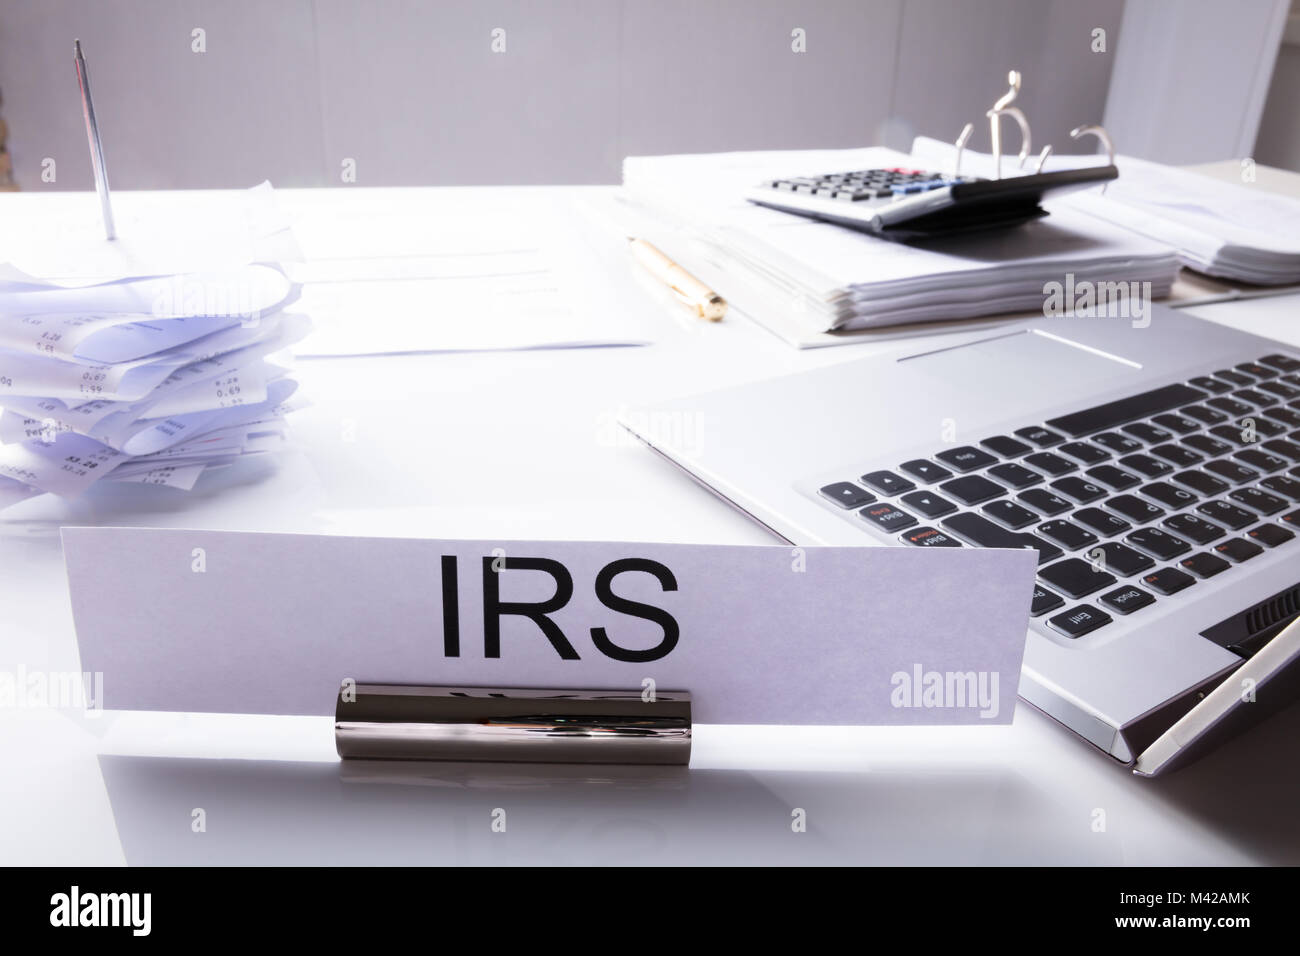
[
  {"x": 800, "y": 277},
  {"x": 148, "y": 358},
  {"x": 1230, "y": 231}
]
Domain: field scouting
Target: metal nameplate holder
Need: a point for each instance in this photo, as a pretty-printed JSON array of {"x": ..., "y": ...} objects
[{"x": 518, "y": 725}]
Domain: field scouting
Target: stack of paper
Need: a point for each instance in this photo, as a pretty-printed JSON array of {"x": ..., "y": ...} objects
[
  {"x": 1220, "y": 229},
  {"x": 802, "y": 276},
  {"x": 114, "y": 369}
]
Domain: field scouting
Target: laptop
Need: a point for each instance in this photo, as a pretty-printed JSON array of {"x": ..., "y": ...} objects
[{"x": 1155, "y": 469}]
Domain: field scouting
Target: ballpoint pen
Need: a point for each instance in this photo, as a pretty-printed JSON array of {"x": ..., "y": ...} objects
[
  {"x": 96, "y": 147},
  {"x": 706, "y": 303}
]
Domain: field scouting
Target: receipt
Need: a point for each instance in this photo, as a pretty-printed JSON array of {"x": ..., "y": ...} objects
[
  {"x": 54, "y": 378},
  {"x": 181, "y": 476},
  {"x": 67, "y": 466},
  {"x": 245, "y": 386},
  {"x": 210, "y": 360},
  {"x": 158, "y": 434},
  {"x": 133, "y": 320}
]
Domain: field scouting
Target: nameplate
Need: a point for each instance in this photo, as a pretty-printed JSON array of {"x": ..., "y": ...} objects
[{"x": 234, "y": 622}]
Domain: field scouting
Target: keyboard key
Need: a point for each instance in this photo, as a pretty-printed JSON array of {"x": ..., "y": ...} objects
[
  {"x": 928, "y": 538},
  {"x": 1078, "y": 489},
  {"x": 1253, "y": 396},
  {"x": 886, "y": 517},
  {"x": 1205, "y": 565},
  {"x": 1261, "y": 460},
  {"x": 965, "y": 458},
  {"x": 1127, "y": 599},
  {"x": 1104, "y": 417},
  {"x": 1040, "y": 437},
  {"x": 1116, "y": 478},
  {"x": 972, "y": 489},
  {"x": 980, "y": 531},
  {"x": 1015, "y": 476},
  {"x": 1287, "y": 416},
  {"x": 1075, "y": 577},
  {"x": 1207, "y": 384},
  {"x": 1207, "y": 445},
  {"x": 1229, "y": 433},
  {"x": 1202, "y": 483},
  {"x": 1078, "y": 621},
  {"x": 1147, "y": 432},
  {"x": 1043, "y": 501},
  {"x": 1068, "y": 535},
  {"x": 1284, "y": 448},
  {"x": 1146, "y": 465},
  {"x": 1283, "y": 363},
  {"x": 1177, "y": 455},
  {"x": 1282, "y": 485},
  {"x": 1122, "y": 559},
  {"x": 1231, "y": 471},
  {"x": 1203, "y": 414},
  {"x": 1051, "y": 463},
  {"x": 1194, "y": 528},
  {"x": 1227, "y": 513},
  {"x": 1282, "y": 390},
  {"x": 1119, "y": 444},
  {"x": 1258, "y": 499},
  {"x": 926, "y": 471},
  {"x": 1044, "y": 601},
  {"x": 1255, "y": 428},
  {"x": 886, "y": 482},
  {"x": 1135, "y": 509},
  {"x": 1084, "y": 451},
  {"x": 1270, "y": 534},
  {"x": 1236, "y": 378},
  {"x": 1005, "y": 446},
  {"x": 1168, "y": 495},
  {"x": 1103, "y": 522},
  {"x": 1257, "y": 370},
  {"x": 847, "y": 495},
  {"x": 1239, "y": 549},
  {"x": 1177, "y": 423},
  {"x": 1230, "y": 405},
  {"x": 928, "y": 503},
  {"x": 1009, "y": 513},
  {"x": 1158, "y": 544},
  {"x": 1169, "y": 580}
]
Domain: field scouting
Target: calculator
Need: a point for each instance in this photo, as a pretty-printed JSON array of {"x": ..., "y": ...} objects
[{"x": 911, "y": 204}]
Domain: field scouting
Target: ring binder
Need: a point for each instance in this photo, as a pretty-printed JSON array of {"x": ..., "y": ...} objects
[
  {"x": 1002, "y": 107},
  {"x": 523, "y": 725}
]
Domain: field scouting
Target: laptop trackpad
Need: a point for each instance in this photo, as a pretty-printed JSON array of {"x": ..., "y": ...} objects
[{"x": 1028, "y": 363}]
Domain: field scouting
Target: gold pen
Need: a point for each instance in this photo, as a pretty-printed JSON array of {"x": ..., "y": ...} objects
[{"x": 706, "y": 303}]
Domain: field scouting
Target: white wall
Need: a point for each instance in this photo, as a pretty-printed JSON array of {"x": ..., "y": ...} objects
[{"x": 413, "y": 92}]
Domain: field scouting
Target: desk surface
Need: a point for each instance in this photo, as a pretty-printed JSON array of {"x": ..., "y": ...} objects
[{"x": 518, "y": 445}]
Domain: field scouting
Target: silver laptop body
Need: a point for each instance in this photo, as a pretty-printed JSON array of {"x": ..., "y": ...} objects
[{"x": 1136, "y": 678}]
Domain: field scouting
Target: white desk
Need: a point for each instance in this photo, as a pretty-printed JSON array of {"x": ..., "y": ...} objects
[{"x": 517, "y": 445}]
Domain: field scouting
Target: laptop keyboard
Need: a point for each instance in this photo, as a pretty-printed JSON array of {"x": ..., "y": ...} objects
[{"x": 1128, "y": 503}]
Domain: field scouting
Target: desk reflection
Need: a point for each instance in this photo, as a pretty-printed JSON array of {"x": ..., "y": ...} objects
[{"x": 409, "y": 813}]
